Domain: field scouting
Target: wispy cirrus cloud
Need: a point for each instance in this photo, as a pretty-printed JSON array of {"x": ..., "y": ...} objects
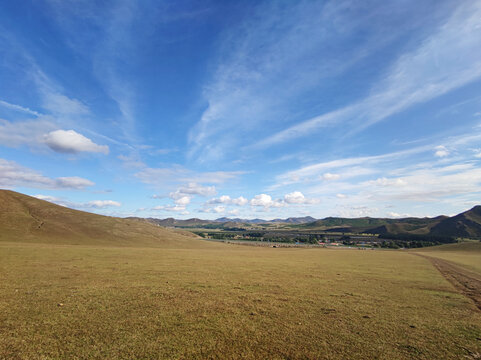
[
  {"x": 179, "y": 174},
  {"x": 447, "y": 60},
  {"x": 410, "y": 179},
  {"x": 94, "y": 204},
  {"x": 20, "y": 108},
  {"x": 266, "y": 67}
]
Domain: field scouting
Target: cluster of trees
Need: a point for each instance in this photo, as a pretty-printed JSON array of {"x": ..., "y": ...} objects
[
  {"x": 435, "y": 239},
  {"x": 391, "y": 241}
]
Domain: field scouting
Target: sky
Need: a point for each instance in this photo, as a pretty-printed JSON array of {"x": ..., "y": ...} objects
[{"x": 243, "y": 109}]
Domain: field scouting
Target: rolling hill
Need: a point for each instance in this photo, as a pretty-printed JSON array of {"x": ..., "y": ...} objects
[
  {"x": 27, "y": 219},
  {"x": 466, "y": 224}
]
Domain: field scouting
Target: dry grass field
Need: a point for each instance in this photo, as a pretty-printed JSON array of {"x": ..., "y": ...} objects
[
  {"x": 228, "y": 302},
  {"x": 467, "y": 254}
]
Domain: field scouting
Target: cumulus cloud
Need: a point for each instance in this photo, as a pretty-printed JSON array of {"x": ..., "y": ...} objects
[
  {"x": 393, "y": 214},
  {"x": 219, "y": 209},
  {"x": 182, "y": 201},
  {"x": 70, "y": 141},
  {"x": 297, "y": 197},
  {"x": 13, "y": 175},
  {"x": 226, "y": 199},
  {"x": 265, "y": 201}
]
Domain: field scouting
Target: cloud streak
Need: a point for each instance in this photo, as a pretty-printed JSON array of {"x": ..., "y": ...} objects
[
  {"x": 13, "y": 175},
  {"x": 19, "y": 108},
  {"x": 445, "y": 61}
]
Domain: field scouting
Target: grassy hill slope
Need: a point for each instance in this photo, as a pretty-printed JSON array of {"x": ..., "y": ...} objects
[
  {"x": 28, "y": 219},
  {"x": 466, "y": 224}
]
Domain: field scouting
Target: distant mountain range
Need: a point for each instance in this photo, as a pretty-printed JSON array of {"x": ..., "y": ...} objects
[
  {"x": 466, "y": 224},
  {"x": 171, "y": 222},
  {"x": 30, "y": 219}
]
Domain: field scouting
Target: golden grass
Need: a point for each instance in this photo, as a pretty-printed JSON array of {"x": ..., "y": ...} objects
[
  {"x": 27, "y": 219},
  {"x": 228, "y": 302},
  {"x": 467, "y": 254}
]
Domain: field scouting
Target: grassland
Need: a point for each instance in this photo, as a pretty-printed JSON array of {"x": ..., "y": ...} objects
[
  {"x": 28, "y": 219},
  {"x": 224, "y": 301},
  {"x": 466, "y": 254}
]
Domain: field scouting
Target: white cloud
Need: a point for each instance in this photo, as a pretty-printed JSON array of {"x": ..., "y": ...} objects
[
  {"x": 265, "y": 201},
  {"x": 226, "y": 199},
  {"x": 100, "y": 204},
  {"x": 73, "y": 182},
  {"x": 30, "y": 132},
  {"x": 59, "y": 104},
  {"x": 393, "y": 214},
  {"x": 341, "y": 196},
  {"x": 94, "y": 204},
  {"x": 69, "y": 141},
  {"x": 53, "y": 98},
  {"x": 219, "y": 209},
  {"x": 234, "y": 212},
  {"x": 297, "y": 197},
  {"x": 182, "y": 201},
  {"x": 441, "y": 151},
  {"x": 351, "y": 167},
  {"x": 55, "y": 200},
  {"x": 196, "y": 189},
  {"x": 14, "y": 175},
  {"x": 19, "y": 108}
]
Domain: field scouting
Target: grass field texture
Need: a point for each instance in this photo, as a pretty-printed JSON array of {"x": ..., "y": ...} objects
[{"x": 85, "y": 302}]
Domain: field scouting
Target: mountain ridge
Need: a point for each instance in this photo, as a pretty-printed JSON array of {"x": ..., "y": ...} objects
[{"x": 465, "y": 224}]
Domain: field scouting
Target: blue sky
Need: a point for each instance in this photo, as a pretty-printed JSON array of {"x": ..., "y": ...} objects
[{"x": 243, "y": 109}]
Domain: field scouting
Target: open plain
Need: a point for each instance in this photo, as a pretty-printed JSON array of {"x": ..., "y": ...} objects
[{"x": 225, "y": 301}]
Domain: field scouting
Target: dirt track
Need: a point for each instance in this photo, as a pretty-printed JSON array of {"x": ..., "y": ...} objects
[{"x": 467, "y": 282}]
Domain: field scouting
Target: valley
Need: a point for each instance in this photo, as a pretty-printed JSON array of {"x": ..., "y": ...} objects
[{"x": 185, "y": 297}]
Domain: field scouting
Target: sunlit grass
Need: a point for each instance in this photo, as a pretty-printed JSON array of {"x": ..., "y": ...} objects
[{"x": 228, "y": 302}]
